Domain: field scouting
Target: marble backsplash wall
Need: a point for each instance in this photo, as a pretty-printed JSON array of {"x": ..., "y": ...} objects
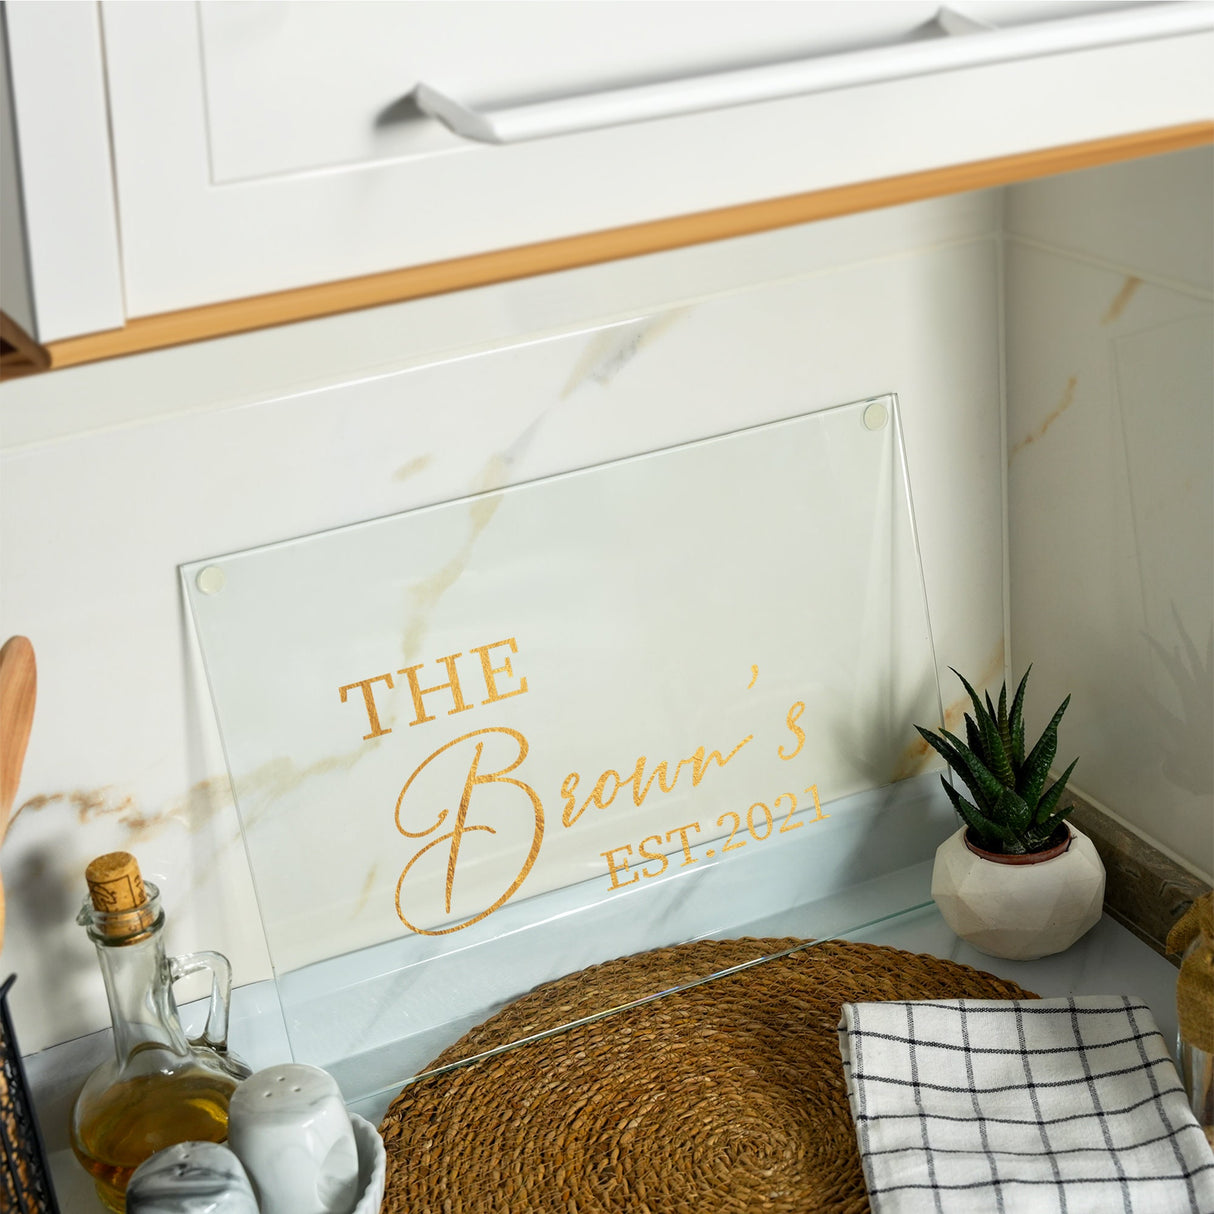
[
  {"x": 111, "y": 476},
  {"x": 98, "y": 514},
  {"x": 1110, "y": 405}
]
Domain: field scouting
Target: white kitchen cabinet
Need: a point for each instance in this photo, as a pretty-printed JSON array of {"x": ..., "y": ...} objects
[
  {"x": 260, "y": 148},
  {"x": 60, "y": 271}
]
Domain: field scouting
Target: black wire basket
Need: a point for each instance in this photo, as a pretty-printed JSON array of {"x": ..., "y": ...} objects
[{"x": 25, "y": 1180}]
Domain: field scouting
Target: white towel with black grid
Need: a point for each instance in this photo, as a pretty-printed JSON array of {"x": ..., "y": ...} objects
[{"x": 1071, "y": 1106}]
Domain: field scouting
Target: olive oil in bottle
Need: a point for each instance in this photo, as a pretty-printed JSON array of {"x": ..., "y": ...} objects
[{"x": 160, "y": 1088}]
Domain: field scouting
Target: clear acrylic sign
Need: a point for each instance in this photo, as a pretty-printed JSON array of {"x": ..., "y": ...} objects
[{"x": 603, "y": 678}]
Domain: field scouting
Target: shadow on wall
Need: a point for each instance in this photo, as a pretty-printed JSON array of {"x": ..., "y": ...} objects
[{"x": 1186, "y": 760}]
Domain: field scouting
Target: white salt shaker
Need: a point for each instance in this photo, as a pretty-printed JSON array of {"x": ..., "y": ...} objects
[
  {"x": 190, "y": 1178},
  {"x": 289, "y": 1126}
]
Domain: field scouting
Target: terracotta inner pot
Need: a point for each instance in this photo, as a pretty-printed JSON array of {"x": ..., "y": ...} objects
[{"x": 1062, "y": 835}]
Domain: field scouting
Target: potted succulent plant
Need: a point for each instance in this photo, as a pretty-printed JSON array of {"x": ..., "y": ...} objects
[{"x": 1016, "y": 880}]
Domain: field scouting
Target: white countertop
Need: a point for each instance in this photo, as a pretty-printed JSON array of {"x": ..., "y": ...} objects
[{"x": 1108, "y": 960}]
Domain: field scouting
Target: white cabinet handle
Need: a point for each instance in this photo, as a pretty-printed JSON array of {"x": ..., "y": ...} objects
[{"x": 964, "y": 42}]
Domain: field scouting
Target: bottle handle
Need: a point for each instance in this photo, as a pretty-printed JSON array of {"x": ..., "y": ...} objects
[{"x": 215, "y": 1031}]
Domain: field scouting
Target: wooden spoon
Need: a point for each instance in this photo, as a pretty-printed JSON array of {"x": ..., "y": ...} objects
[{"x": 18, "y": 690}]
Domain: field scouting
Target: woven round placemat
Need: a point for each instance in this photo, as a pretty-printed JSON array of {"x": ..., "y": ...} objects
[{"x": 726, "y": 1097}]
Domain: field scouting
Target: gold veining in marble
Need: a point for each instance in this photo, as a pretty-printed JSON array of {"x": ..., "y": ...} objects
[
  {"x": 412, "y": 467},
  {"x": 364, "y": 895},
  {"x": 609, "y": 351},
  {"x": 1122, "y": 299},
  {"x": 426, "y": 595},
  {"x": 1068, "y": 399},
  {"x": 193, "y": 809}
]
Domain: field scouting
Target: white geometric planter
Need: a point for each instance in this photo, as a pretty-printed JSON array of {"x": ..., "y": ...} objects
[{"x": 1019, "y": 911}]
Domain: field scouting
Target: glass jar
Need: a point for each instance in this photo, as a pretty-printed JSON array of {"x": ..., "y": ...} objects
[{"x": 160, "y": 1087}]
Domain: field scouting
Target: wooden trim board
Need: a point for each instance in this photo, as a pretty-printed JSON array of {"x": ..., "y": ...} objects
[
  {"x": 482, "y": 269},
  {"x": 1144, "y": 891}
]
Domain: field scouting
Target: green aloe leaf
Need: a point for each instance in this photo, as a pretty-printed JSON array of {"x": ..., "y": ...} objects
[
  {"x": 1049, "y": 799},
  {"x": 977, "y": 776},
  {"x": 971, "y": 735},
  {"x": 1005, "y": 730},
  {"x": 1014, "y": 810},
  {"x": 995, "y": 755},
  {"x": 960, "y": 763},
  {"x": 990, "y": 834},
  {"x": 1016, "y": 724},
  {"x": 938, "y": 744},
  {"x": 1037, "y": 766},
  {"x": 1039, "y": 836}
]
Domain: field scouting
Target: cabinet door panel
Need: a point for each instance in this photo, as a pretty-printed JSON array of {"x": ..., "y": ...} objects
[
  {"x": 242, "y": 171},
  {"x": 60, "y": 273},
  {"x": 292, "y": 87}
]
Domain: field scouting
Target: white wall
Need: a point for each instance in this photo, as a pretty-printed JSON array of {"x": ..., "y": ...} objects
[
  {"x": 113, "y": 475},
  {"x": 1110, "y": 379}
]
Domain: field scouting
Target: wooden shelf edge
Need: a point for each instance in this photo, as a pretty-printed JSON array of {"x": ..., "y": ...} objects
[{"x": 396, "y": 286}]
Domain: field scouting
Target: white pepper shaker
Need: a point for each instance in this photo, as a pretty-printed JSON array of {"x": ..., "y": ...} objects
[
  {"x": 190, "y": 1178},
  {"x": 290, "y": 1128}
]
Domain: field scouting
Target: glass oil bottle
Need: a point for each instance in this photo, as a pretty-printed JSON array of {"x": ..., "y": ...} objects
[{"x": 160, "y": 1087}]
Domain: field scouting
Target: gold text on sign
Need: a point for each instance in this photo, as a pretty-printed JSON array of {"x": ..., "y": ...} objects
[
  {"x": 610, "y": 779},
  {"x": 760, "y": 826},
  {"x": 794, "y": 715},
  {"x": 527, "y": 798},
  {"x": 452, "y": 685}
]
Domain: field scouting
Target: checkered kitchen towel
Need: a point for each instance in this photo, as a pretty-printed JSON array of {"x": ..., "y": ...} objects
[{"x": 1061, "y": 1105}]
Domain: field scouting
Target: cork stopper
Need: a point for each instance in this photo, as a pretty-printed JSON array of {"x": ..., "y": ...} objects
[
  {"x": 120, "y": 901},
  {"x": 115, "y": 883}
]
